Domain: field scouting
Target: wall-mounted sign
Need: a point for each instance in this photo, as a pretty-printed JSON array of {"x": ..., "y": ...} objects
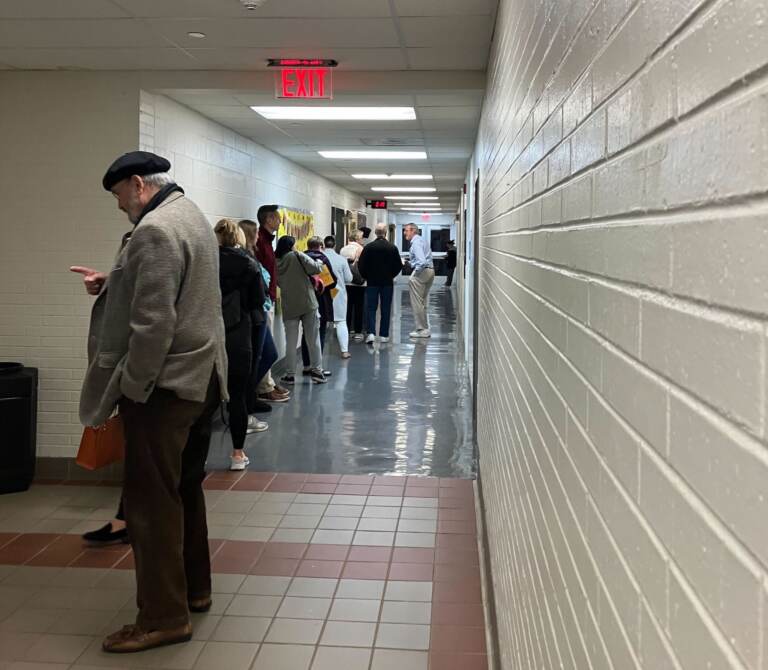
[
  {"x": 376, "y": 204},
  {"x": 304, "y": 83}
]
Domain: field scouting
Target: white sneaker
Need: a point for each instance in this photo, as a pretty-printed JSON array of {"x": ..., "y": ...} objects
[
  {"x": 370, "y": 339},
  {"x": 239, "y": 463},
  {"x": 359, "y": 337},
  {"x": 421, "y": 333},
  {"x": 383, "y": 340},
  {"x": 256, "y": 426}
]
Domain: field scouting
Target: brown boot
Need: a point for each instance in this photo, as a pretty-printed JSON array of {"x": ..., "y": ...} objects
[
  {"x": 130, "y": 639},
  {"x": 273, "y": 396}
]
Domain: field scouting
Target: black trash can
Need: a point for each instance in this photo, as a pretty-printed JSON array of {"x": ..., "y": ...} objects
[{"x": 18, "y": 426}]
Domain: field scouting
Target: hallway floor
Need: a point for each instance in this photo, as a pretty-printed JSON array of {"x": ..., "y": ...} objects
[{"x": 350, "y": 543}]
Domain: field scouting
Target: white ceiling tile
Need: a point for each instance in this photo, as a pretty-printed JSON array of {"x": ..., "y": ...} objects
[
  {"x": 444, "y": 7},
  {"x": 53, "y": 9},
  {"x": 450, "y": 99},
  {"x": 281, "y": 33},
  {"x": 444, "y": 31},
  {"x": 441, "y": 58},
  {"x": 61, "y": 33},
  {"x": 449, "y": 113},
  {"x": 273, "y": 8},
  {"x": 97, "y": 59}
]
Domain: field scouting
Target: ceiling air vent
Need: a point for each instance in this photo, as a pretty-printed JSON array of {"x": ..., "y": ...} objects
[
  {"x": 392, "y": 141},
  {"x": 253, "y": 4}
]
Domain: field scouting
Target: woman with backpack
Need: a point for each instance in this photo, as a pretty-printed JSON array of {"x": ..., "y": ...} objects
[
  {"x": 242, "y": 299},
  {"x": 295, "y": 273}
]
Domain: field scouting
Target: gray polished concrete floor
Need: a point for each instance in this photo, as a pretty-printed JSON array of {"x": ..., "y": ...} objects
[{"x": 399, "y": 408}]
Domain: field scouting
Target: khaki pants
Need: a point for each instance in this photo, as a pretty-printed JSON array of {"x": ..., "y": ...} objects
[
  {"x": 419, "y": 285},
  {"x": 166, "y": 445}
]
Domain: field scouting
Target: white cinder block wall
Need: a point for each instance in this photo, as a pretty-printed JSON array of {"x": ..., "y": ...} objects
[
  {"x": 623, "y": 159},
  {"x": 229, "y": 175}
]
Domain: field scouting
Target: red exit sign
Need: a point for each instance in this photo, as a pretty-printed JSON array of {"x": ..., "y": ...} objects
[
  {"x": 304, "y": 83},
  {"x": 376, "y": 204}
]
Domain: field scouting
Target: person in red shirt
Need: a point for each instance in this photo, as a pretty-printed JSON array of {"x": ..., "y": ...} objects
[{"x": 269, "y": 222}]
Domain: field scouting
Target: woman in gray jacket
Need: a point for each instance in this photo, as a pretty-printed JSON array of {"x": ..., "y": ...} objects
[{"x": 299, "y": 304}]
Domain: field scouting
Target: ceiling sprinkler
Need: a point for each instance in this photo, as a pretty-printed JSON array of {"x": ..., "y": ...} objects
[{"x": 252, "y": 4}]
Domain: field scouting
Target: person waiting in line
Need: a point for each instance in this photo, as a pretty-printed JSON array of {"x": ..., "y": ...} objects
[
  {"x": 379, "y": 264},
  {"x": 269, "y": 222},
  {"x": 356, "y": 287},
  {"x": 366, "y": 233},
  {"x": 324, "y": 293},
  {"x": 421, "y": 279},
  {"x": 264, "y": 350},
  {"x": 450, "y": 262},
  {"x": 343, "y": 272},
  {"x": 156, "y": 349},
  {"x": 242, "y": 300},
  {"x": 294, "y": 270}
]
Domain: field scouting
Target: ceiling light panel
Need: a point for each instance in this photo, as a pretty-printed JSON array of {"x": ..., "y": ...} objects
[
  {"x": 420, "y": 198},
  {"x": 405, "y": 189},
  {"x": 385, "y": 177},
  {"x": 375, "y": 155},
  {"x": 337, "y": 113}
]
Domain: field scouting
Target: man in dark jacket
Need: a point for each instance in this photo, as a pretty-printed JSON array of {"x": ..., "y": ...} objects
[
  {"x": 269, "y": 222},
  {"x": 379, "y": 264},
  {"x": 450, "y": 262}
]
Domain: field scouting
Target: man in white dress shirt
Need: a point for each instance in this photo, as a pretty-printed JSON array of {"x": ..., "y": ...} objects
[{"x": 421, "y": 279}]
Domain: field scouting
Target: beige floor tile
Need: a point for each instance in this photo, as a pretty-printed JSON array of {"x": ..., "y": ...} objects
[
  {"x": 405, "y": 612},
  {"x": 262, "y": 520},
  {"x": 313, "y": 498},
  {"x": 338, "y": 523},
  {"x": 300, "y": 521},
  {"x": 300, "y": 535},
  {"x": 391, "y": 659},
  {"x": 229, "y": 655},
  {"x": 350, "y": 511},
  {"x": 312, "y": 587},
  {"x": 418, "y": 513},
  {"x": 303, "y": 509},
  {"x": 251, "y": 534},
  {"x": 348, "y": 609},
  {"x": 227, "y": 583},
  {"x": 333, "y": 537},
  {"x": 58, "y": 648},
  {"x": 33, "y": 665},
  {"x": 294, "y": 631},
  {"x": 417, "y": 526},
  {"x": 30, "y": 620},
  {"x": 304, "y": 608},
  {"x": 265, "y": 586},
  {"x": 365, "y": 589},
  {"x": 376, "y": 524},
  {"x": 258, "y": 606},
  {"x": 31, "y": 576},
  {"x": 403, "y": 636},
  {"x": 203, "y": 625},
  {"x": 117, "y": 580},
  {"x": 423, "y": 540},
  {"x": 14, "y": 646},
  {"x": 373, "y": 512},
  {"x": 175, "y": 657},
  {"x": 335, "y": 658},
  {"x": 420, "y": 592},
  {"x": 241, "y": 629},
  {"x": 86, "y": 622},
  {"x": 373, "y": 538},
  {"x": 348, "y": 634},
  {"x": 284, "y": 657}
]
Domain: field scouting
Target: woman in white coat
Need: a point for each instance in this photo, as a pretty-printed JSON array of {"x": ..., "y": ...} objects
[{"x": 343, "y": 273}]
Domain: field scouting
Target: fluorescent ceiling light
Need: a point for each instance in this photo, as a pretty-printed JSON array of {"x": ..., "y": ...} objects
[
  {"x": 375, "y": 155},
  {"x": 412, "y": 189},
  {"x": 411, "y": 197},
  {"x": 420, "y": 213},
  {"x": 337, "y": 113},
  {"x": 417, "y": 204},
  {"x": 385, "y": 177}
]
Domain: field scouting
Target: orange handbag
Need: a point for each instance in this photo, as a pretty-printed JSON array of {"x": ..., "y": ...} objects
[{"x": 103, "y": 445}]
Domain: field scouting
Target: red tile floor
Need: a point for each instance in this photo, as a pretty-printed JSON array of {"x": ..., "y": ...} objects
[{"x": 311, "y": 572}]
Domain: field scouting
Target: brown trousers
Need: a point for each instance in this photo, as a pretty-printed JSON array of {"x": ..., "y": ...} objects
[{"x": 167, "y": 442}]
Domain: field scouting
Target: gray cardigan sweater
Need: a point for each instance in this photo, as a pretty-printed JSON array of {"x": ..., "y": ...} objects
[
  {"x": 157, "y": 322},
  {"x": 297, "y": 294}
]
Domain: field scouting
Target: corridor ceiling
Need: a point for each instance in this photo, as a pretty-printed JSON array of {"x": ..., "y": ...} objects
[{"x": 429, "y": 54}]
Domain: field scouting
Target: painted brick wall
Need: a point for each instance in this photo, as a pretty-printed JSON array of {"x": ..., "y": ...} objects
[
  {"x": 623, "y": 155},
  {"x": 229, "y": 175}
]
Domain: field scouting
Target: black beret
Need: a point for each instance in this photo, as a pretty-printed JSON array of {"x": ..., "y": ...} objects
[{"x": 134, "y": 163}]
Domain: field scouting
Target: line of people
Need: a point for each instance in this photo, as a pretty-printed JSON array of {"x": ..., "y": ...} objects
[{"x": 183, "y": 323}]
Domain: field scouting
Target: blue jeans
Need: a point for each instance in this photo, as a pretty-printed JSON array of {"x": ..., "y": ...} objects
[{"x": 373, "y": 294}]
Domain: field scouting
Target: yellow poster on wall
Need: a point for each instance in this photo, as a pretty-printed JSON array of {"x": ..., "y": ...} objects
[{"x": 296, "y": 223}]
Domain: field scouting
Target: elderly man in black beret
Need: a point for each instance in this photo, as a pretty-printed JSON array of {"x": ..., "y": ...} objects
[{"x": 156, "y": 351}]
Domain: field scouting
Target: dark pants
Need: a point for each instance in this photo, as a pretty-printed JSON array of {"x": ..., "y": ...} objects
[
  {"x": 239, "y": 388},
  {"x": 355, "y": 300},
  {"x": 258, "y": 337},
  {"x": 166, "y": 445},
  {"x": 374, "y": 295},
  {"x": 305, "y": 350},
  {"x": 268, "y": 355},
  {"x": 449, "y": 280}
]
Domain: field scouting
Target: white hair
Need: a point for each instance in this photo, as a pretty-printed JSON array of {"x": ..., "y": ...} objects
[
  {"x": 381, "y": 230},
  {"x": 159, "y": 179}
]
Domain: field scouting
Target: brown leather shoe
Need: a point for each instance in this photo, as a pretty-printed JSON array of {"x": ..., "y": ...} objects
[
  {"x": 130, "y": 639},
  {"x": 281, "y": 390},
  {"x": 273, "y": 396}
]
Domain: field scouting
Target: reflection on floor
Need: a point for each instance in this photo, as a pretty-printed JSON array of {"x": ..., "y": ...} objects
[{"x": 397, "y": 408}]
